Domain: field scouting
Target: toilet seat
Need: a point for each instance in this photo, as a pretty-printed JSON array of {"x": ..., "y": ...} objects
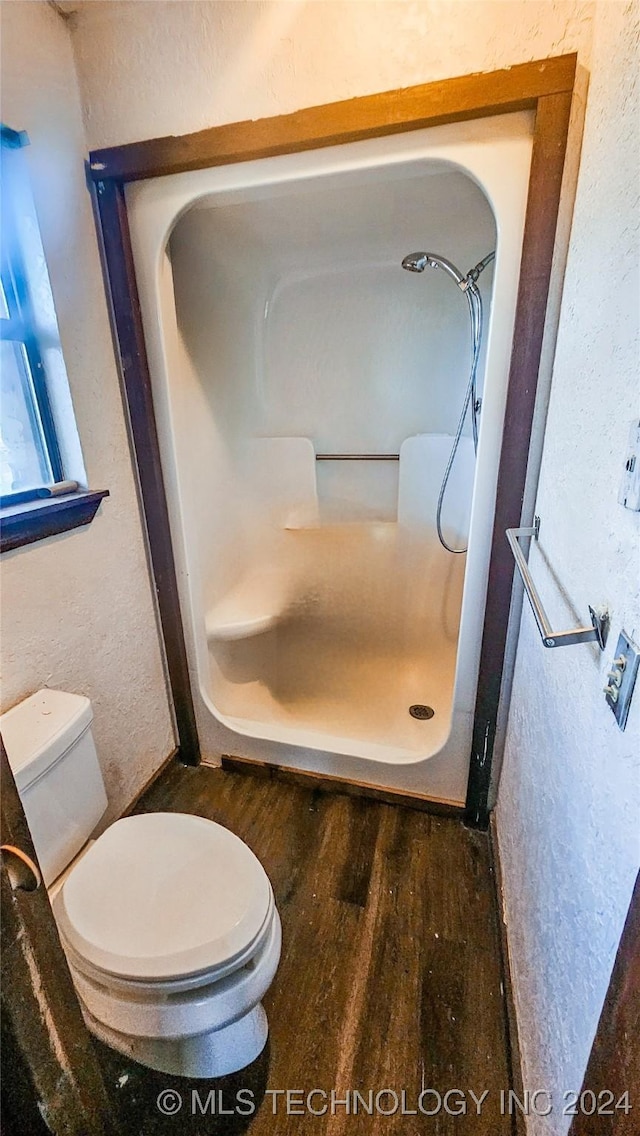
[
  {"x": 162, "y": 898},
  {"x": 156, "y": 989},
  {"x": 154, "y": 1011}
]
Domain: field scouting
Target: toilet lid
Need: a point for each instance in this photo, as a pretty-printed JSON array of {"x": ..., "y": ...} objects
[{"x": 163, "y": 895}]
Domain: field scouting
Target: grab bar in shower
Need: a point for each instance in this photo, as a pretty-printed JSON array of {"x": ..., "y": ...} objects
[
  {"x": 357, "y": 457},
  {"x": 599, "y": 620}
]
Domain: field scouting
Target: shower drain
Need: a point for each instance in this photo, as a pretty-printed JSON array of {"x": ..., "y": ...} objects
[{"x": 419, "y": 710}]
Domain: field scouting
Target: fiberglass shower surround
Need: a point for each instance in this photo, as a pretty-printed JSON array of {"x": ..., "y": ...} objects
[{"x": 308, "y": 395}]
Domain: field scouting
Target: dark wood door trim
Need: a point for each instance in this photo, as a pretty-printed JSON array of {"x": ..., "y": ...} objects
[
  {"x": 545, "y": 179},
  {"x": 545, "y": 86},
  {"x": 49, "y": 1063},
  {"x": 614, "y": 1062},
  {"x": 126, "y": 321}
]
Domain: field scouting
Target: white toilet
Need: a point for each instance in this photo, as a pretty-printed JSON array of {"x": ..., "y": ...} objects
[{"x": 168, "y": 920}]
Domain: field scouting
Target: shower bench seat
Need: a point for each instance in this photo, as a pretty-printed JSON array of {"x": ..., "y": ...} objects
[{"x": 257, "y": 602}]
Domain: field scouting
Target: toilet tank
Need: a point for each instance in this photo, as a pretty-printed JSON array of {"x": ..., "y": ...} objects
[{"x": 54, "y": 761}]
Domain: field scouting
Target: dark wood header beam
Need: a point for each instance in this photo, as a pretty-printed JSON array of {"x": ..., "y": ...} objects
[{"x": 392, "y": 112}]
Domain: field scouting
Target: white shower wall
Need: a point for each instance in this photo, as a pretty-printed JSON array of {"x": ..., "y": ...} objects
[
  {"x": 278, "y": 309},
  {"x": 302, "y": 295}
]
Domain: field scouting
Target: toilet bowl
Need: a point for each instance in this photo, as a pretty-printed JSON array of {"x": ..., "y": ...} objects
[
  {"x": 168, "y": 920},
  {"x": 172, "y": 937}
]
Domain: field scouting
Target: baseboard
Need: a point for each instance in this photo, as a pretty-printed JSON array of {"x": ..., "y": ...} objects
[
  {"x": 173, "y": 757},
  {"x": 513, "y": 1039},
  {"x": 322, "y": 782}
]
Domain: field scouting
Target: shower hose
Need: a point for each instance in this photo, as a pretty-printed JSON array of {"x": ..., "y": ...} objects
[{"x": 474, "y": 299}]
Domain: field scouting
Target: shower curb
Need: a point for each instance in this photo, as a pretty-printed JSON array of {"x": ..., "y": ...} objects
[{"x": 323, "y": 783}]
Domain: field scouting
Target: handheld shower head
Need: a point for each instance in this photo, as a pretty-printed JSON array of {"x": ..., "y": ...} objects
[{"x": 418, "y": 261}]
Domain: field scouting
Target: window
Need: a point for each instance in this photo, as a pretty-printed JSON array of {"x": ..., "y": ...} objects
[
  {"x": 40, "y": 455},
  {"x": 29, "y": 452}
]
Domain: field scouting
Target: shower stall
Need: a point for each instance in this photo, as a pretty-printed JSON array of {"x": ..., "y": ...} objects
[{"x": 331, "y": 506}]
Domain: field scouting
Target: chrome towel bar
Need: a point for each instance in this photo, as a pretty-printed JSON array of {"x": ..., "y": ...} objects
[
  {"x": 599, "y": 621},
  {"x": 357, "y": 457}
]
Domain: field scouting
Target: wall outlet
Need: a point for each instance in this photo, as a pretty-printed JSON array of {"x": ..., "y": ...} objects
[
  {"x": 621, "y": 678},
  {"x": 629, "y": 493}
]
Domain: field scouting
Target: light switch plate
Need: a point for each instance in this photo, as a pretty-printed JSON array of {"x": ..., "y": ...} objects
[
  {"x": 629, "y": 493},
  {"x": 625, "y": 669}
]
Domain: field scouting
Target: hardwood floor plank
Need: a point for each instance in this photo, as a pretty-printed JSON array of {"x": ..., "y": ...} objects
[
  {"x": 362, "y": 834},
  {"x": 390, "y": 972}
]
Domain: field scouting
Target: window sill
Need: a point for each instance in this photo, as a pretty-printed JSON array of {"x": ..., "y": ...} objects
[{"x": 35, "y": 520}]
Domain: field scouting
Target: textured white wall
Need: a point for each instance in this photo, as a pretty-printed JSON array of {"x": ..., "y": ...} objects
[
  {"x": 566, "y": 814},
  {"x": 569, "y": 799},
  {"x": 77, "y": 609}
]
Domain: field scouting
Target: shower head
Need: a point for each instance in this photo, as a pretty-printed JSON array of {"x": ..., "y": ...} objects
[{"x": 418, "y": 261}]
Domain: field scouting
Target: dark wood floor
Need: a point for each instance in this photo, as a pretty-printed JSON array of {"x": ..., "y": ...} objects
[{"x": 390, "y": 976}]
